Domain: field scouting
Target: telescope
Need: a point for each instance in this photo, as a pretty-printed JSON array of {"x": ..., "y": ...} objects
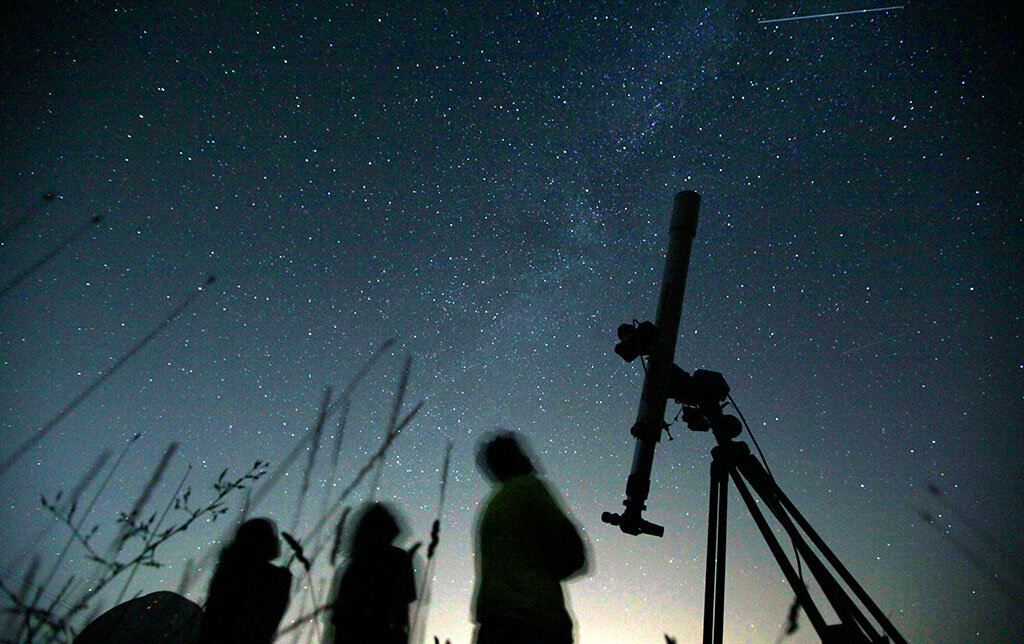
[
  {"x": 703, "y": 395},
  {"x": 656, "y": 340}
]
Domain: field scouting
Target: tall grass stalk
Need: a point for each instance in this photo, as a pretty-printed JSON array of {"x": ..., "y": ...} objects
[
  {"x": 307, "y": 473},
  {"x": 77, "y": 527},
  {"x": 33, "y": 212},
  {"x": 416, "y": 624},
  {"x": 45, "y": 430},
  {"x": 42, "y": 261},
  {"x": 140, "y": 503}
]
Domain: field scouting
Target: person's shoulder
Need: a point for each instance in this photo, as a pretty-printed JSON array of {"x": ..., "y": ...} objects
[
  {"x": 527, "y": 489},
  {"x": 523, "y": 482},
  {"x": 279, "y": 573},
  {"x": 398, "y": 555},
  {"x": 533, "y": 485}
]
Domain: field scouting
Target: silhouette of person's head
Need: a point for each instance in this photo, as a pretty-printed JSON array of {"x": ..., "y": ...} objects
[
  {"x": 502, "y": 457},
  {"x": 377, "y": 526},
  {"x": 255, "y": 540}
]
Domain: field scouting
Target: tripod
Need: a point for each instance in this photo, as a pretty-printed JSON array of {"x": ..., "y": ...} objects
[{"x": 733, "y": 459}]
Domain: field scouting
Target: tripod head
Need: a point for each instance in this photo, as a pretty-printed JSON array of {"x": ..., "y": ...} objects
[{"x": 701, "y": 396}]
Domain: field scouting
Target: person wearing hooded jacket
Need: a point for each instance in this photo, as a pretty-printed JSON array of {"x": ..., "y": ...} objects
[
  {"x": 248, "y": 594},
  {"x": 377, "y": 586}
]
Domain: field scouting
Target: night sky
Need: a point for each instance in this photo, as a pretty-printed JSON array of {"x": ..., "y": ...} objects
[{"x": 491, "y": 187}]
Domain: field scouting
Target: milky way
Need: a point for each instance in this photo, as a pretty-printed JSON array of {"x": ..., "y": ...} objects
[{"x": 491, "y": 188}]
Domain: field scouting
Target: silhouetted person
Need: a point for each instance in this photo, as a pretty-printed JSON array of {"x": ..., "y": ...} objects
[
  {"x": 526, "y": 546},
  {"x": 248, "y": 594},
  {"x": 372, "y": 605}
]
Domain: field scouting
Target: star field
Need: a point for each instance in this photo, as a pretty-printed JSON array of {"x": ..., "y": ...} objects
[{"x": 491, "y": 187}]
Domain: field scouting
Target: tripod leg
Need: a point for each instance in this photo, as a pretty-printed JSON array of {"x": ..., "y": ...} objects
[
  {"x": 723, "y": 506},
  {"x": 849, "y": 614},
  {"x": 787, "y": 513},
  {"x": 859, "y": 591},
  {"x": 709, "y": 564},
  {"x": 714, "y": 580},
  {"x": 716, "y": 517},
  {"x": 794, "y": 580}
]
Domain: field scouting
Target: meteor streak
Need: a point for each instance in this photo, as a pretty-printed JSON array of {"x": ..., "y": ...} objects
[
  {"x": 877, "y": 342},
  {"x": 828, "y": 15}
]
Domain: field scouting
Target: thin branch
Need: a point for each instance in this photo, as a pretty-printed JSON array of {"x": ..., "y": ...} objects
[
  {"x": 435, "y": 538},
  {"x": 396, "y": 408},
  {"x": 300, "y": 621},
  {"x": 152, "y": 535},
  {"x": 72, "y": 505},
  {"x": 304, "y": 440},
  {"x": 128, "y": 521}
]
